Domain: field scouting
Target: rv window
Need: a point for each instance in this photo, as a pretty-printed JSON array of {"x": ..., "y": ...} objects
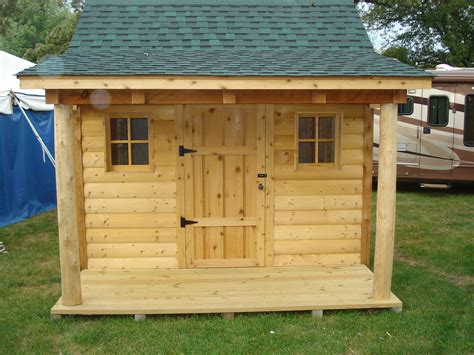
[
  {"x": 438, "y": 111},
  {"x": 316, "y": 141},
  {"x": 469, "y": 121},
  {"x": 406, "y": 109},
  {"x": 128, "y": 143}
]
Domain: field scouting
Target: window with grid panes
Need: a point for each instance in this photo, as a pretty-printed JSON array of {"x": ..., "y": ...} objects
[
  {"x": 128, "y": 143},
  {"x": 317, "y": 139}
]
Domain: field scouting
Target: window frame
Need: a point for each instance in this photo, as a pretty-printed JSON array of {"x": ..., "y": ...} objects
[
  {"x": 429, "y": 111},
  {"x": 338, "y": 116},
  {"x": 108, "y": 142},
  {"x": 412, "y": 107},
  {"x": 471, "y": 143}
]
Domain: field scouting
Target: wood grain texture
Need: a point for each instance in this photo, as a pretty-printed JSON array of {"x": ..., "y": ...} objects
[
  {"x": 190, "y": 97},
  {"x": 131, "y": 206},
  {"x": 318, "y": 259},
  {"x": 132, "y": 263},
  {"x": 162, "y": 173},
  {"x": 224, "y": 83},
  {"x": 317, "y": 209},
  {"x": 130, "y": 190},
  {"x": 317, "y": 202},
  {"x": 67, "y": 206},
  {"x": 318, "y": 187},
  {"x": 367, "y": 186},
  {"x": 270, "y": 184},
  {"x": 308, "y": 247},
  {"x": 169, "y": 291},
  {"x": 131, "y": 235},
  {"x": 128, "y": 220},
  {"x": 221, "y": 185},
  {"x": 79, "y": 188},
  {"x": 180, "y": 188},
  {"x": 317, "y": 231},
  {"x": 261, "y": 193},
  {"x": 131, "y": 250},
  {"x": 318, "y": 217},
  {"x": 386, "y": 203}
]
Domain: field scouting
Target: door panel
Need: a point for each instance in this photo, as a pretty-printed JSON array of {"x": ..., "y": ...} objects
[{"x": 221, "y": 187}]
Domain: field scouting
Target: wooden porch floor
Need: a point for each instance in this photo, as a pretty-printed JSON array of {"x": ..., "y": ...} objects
[{"x": 185, "y": 291}]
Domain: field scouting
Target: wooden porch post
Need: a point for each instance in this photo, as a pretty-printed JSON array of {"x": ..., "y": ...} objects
[
  {"x": 66, "y": 196},
  {"x": 386, "y": 202}
]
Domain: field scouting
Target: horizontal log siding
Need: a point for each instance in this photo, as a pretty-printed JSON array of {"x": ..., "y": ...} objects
[
  {"x": 130, "y": 216},
  {"x": 318, "y": 212}
]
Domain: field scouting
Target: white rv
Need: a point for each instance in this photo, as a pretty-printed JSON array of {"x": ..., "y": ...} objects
[{"x": 436, "y": 129}]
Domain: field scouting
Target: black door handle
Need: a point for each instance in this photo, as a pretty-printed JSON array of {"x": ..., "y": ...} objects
[{"x": 426, "y": 130}]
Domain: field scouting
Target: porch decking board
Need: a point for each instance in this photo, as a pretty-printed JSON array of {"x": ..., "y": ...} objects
[{"x": 186, "y": 291}]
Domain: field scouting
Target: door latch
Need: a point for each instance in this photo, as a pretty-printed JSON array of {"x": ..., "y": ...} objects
[
  {"x": 262, "y": 175},
  {"x": 184, "y": 222},
  {"x": 183, "y": 151}
]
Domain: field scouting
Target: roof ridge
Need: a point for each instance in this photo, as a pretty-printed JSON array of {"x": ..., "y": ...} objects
[{"x": 219, "y": 2}]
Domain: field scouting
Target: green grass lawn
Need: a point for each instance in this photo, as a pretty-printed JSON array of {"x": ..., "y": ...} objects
[{"x": 433, "y": 275}]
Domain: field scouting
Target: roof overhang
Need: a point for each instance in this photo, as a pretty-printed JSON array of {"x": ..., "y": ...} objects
[{"x": 223, "y": 83}]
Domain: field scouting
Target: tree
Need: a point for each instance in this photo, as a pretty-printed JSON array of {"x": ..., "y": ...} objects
[
  {"x": 35, "y": 29},
  {"x": 8, "y": 9},
  {"x": 424, "y": 32},
  {"x": 78, "y": 5},
  {"x": 56, "y": 42}
]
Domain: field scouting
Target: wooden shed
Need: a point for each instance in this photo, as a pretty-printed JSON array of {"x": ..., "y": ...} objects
[{"x": 215, "y": 156}]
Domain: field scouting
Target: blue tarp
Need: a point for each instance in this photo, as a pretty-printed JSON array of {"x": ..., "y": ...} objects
[{"x": 27, "y": 183}]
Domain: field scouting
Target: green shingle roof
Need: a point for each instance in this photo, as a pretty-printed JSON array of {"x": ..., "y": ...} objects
[{"x": 221, "y": 38}]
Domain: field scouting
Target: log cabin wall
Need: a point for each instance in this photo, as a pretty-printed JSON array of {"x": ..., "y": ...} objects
[
  {"x": 130, "y": 217},
  {"x": 318, "y": 212}
]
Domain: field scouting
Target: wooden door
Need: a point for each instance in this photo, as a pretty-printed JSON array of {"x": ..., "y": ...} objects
[{"x": 224, "y": 195}]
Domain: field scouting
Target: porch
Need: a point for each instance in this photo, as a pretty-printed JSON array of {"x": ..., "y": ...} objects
[{"x": 225, "y": 290}]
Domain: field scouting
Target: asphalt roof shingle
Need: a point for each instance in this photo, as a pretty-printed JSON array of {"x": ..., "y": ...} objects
[{"x": 221, "y": 38}]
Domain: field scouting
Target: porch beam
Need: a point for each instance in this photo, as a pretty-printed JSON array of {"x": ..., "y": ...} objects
[
  {"x": 180, "y": 97},
  {"x": 386, "y": 203},
  {"x": 66, "y": 198}
]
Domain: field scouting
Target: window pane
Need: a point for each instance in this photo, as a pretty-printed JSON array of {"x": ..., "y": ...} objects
[
  {"x": 307, "y": 128},
  {"x": 118, "y": 129},
  {"x": 140, "y": 154},
  {"x": 119, "y": 154},
  {"x": 406, "y": 109},
  {"x": 326, "y": 152},
  {"x": 438, "y": 111},
  {"x": 139, "y": 129},
  {"x": 327, "y": 128},
  {"x": 307, "y": 152},
  {"x": 469, "y": 121}
]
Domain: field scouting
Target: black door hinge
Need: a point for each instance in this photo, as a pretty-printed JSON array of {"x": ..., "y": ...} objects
[
  {"x": 184, "y": 222},
  {"x": 183, "y": 151}
]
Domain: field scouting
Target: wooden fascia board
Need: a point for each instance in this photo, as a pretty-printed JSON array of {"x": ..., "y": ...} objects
[
  {"x": 224, "y": 83},
  {"x": 155, "y": 97}
]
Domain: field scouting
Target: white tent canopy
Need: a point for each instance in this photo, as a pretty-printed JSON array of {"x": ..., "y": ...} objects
[{"x": 10, "y": 65}]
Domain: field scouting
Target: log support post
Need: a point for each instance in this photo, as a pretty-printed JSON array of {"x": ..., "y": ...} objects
[
  {"x": 386, "y": 203},
  {"x": 67, "y": 215}
]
